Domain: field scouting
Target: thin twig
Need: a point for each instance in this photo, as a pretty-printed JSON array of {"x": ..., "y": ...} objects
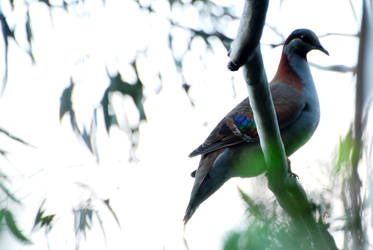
[
  {"x": 339, "y": 34},
  {"x": 202, "y": 33},
  {"x": 337, "y": 68},
  {"x": 276, "y": 31}
]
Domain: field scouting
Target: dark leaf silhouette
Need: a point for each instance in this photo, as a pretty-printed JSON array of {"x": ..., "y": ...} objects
[
  {"x": 83, "y": 220},
  {"x": 47, "y": 2},
  {"x": 135, "y": 91},
  {"x": 107, "y": 204},
  {"x": 42, "y": 220},
  {"x": 66, "y": 107},
  {"x": 29, "y": 36},
  {"x": 12, "y": 226},
  {"x": 8, "y": 193},
  {"x": 66, "y": 103},
  {"x": 13, "y": 137},
  {"x": 7, "y": 34}
]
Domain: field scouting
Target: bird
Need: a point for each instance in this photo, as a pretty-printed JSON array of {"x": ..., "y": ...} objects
[{"x": 235, "y": 137}]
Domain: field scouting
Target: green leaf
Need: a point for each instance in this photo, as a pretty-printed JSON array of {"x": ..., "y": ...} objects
[
  {"x": 8, "y": 193},
  {"x": 232, "y": 241},
  {"x": 7, "y": 34},
  {"x": 12, "y": 3},
  {"x": 346, "y": 146},
  {"x": 43, "y": 220},
  {"x": 12, "y": 226},
  {"x": 254, "y": 209}
]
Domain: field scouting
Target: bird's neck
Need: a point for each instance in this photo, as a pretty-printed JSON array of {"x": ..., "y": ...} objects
[{"x": 293, "y": 70}]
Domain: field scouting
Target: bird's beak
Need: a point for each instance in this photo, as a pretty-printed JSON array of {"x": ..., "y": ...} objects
[{"x": 321, "y": 48}]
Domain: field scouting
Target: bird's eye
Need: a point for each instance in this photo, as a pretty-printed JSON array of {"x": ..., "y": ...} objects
[{"x": 301, "y": 37}]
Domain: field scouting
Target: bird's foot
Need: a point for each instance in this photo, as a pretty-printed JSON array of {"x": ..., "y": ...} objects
[{"x": 291, "y": 172}]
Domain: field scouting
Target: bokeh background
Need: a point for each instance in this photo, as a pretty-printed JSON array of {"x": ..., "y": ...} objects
[{"x": 103, "y": 101}]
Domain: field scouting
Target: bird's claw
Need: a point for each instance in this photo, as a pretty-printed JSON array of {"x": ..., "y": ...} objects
[{"x": 291, "y": 174}]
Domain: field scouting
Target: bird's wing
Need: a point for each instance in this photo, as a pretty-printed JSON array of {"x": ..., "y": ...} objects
[
  {"x": 222, "y": 135},
  {"x": 288, "y": 101}
]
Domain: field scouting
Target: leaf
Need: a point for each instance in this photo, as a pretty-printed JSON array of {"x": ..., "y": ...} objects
[
  {"x": 66, "y": 103},
  {"x": 232, "y": 241},
  {"x": 83, "y": 219},
  {"x": 66, "y": 106},
  {"x": 101, "y": 225},
  {"x": 186, "y": 87},
  {"x": 87, "y": 139},
  {"x": 172, "y": 2},
  {"x": 12, "y": 226},
  {"x": 346, "y": 146},
  {"x": 254, "y": 209},
  {"x": 135, "y": 91},
  {"x": 29, "y": 36},
  {"x": 105, "y": 109},
  {"x": 43, "y": 220},
  {"x": 107, "y": 204},
  {"x": 3, "y": 152},
  {"x": 7, "y": 192},
  {"x": 47, "y": 2},
  {"x": 7, "y": 33},
  {"x": 13, "y": 137},
  {"x": 12, "y": 3},
  {"x": 28, "y": 28}
]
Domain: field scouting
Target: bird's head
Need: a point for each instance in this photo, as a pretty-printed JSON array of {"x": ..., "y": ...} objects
[{"x": 302, "y": 41}]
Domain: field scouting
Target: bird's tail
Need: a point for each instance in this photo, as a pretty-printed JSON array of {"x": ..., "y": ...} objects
[{"x": 189, "y": 212}]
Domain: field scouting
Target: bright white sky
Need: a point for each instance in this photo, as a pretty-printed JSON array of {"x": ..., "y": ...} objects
[{"x": 150, "y": 196}]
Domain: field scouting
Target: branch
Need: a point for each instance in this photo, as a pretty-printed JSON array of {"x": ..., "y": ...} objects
[
  {"x": 289, "y": 193},
  {"x": 338, "y": 68},
  {"x": 354, "y": 183},
  {"x": 244, "y": 46},
  {"x": 202, "y": 33},
  {"x": 339, "y": 34}
]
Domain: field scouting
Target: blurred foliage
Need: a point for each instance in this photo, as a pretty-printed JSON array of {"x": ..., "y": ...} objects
[
  {"x": 268, "y": 228},
  {"x": 12, "y": 137},
  {"x": 211, "y": 15},
  {"x": 213, "y": 20},
  {"x": 346, "y": 145},
  {"x": 42, "y": 220},
  {"x": 7, "y": 220},
  {"x": 85, "y": 213}
]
